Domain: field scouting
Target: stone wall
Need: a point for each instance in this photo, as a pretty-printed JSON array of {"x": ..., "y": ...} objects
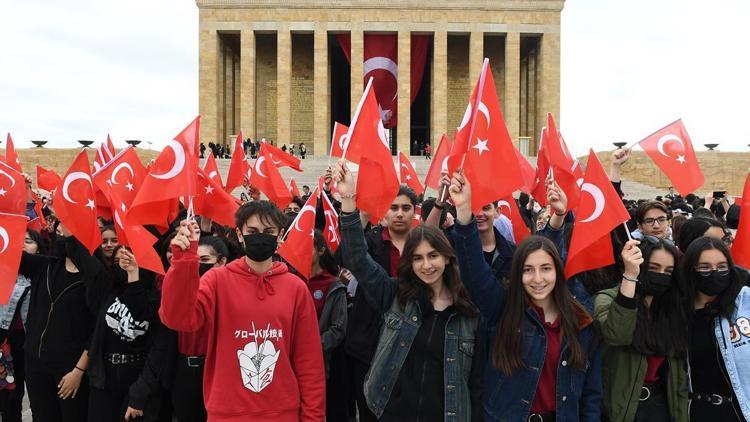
[
  {"x": 60, "y": 159},
  {"x": 459, "y": 85},
  {"x": 722, "y": 170},
  {"x": 265, "y": 95}
]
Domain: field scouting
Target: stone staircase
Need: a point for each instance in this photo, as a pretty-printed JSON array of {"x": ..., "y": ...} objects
[{"x": 314, "y": 166}]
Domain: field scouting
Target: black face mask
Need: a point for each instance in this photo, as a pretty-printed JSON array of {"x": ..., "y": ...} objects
[
  {"x": 291, "y": 215},
  {"x": 259, "y": 247},
  {"x": 203, "y": 267},
  {"x": 712, "y": 284},
  {"x": 654, "y": 284}
]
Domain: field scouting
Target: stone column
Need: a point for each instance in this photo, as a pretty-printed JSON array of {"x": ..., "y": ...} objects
[
  {"x": 321, "y": 93},
  {"x": 439, "y": 124},
  {"x": 208, "y": 93},
  {"x": 512, "y": 83},
  {"x": 247, "y": 83},
  {"x": 357, "y": 65},
  {"x": 403, "y": 127},
  {"x": 283, "y": 85},
  {"x": 548, "y": 88},
  {"x": 476, "y": 57}
]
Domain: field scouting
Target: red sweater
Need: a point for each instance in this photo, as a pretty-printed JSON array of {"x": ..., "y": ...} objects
[{"x": 264, "y": 360}]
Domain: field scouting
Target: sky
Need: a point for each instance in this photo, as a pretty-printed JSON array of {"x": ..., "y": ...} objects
[{"x": 80, "y": 69}]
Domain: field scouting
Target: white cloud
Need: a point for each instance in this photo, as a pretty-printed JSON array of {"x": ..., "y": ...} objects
[
  {"x": 631, "y": 67},
  {"x": 81, "y": 68}
]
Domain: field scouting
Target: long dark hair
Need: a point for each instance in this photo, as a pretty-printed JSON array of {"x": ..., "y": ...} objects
[
  {"x": 506, "y": 353},
  {"x": 326, "y": 260},
  {"x": 661, "y": 329},
  {"x": 694, "y": 228},
  {"x": 410, "y": 287},
  {"x": 724, "y": 305}
]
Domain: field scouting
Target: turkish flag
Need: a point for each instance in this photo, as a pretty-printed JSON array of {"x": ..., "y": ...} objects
[
  {"x": 124, "y": 173},
  {"x": 741, "y": 245},
  {"x": 12, "y": 234},
  {"x": 485, "y": 142},
  {"x": 238, "y": 167},
  {"x": 377, "y": 183},
  {"x": 212, "y": 170},
  {"x": 439, "y": 163},
  {"x": 104, "y": 153},
  {"x": 599, "y": 212},
  {"x": 11, "y": 158},
  {"x": 293, "y": 189},
  {"x": 331, "y": 229},
  {"x": 140, "y": 240},
  {"x": 172, "y": 175},
  {"x": 381, "y": 63},
  {"x": 12, "y": 190},
  {"x": 74, "y": 203},
  {"x": 565, "y": 169},
  {"x": 47, "y": 179},
  {"x": 297, "y": 248},
  {"x": 671, "y": 149},
  {"x": 528, "y": 171},
  {"x": 509, "y": 208},
  {"x": 338, "y": 139},
  {"x": 266, "y": 177},
  {"x": 408, "y": 175},
  {"x": 281, "y": 158},
  {"x": 214, "y": 202},
  {"x": 539, "y": 190}
]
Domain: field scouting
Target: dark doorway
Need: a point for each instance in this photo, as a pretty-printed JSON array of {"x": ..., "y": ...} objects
[
  {"x": 340, "y": 83},
  {"x": 420, "y": 109}
]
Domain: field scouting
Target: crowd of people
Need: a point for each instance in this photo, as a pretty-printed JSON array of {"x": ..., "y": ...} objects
[{"x": 449, "y": 319}]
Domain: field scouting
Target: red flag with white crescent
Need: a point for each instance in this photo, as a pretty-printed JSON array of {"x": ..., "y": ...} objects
[
  {"x": 11, "y": 158},
  {"x": 408, "y": 175},
  {"x": 672, "y": 150},
  {"x": 12, "y": 190},
  {"x": 212, "y": 170},
  {"x": 439, "y": 163},
  {"x": 12, "y": 234},
  {"x": 266, "y": 177},
  {"x": 741, "y": 245},
  {"x": 297, "y": 248},
  {"x": 293, "y": 189},
  {"x": 237, "y": 168},
  {"x": 509, "y": 208},
  {"x": 331, "y": 229},
  {"x": 599, "y": 212},
  {"x": 47, "y": 179},
  {"x": 74, "y": 203},
  {"x": 172, "y": 175},
  {"x": 140, "y": 240},
  {"x": 214, "y": 202},
  {"x": 281, "y": 158},
  {"x": 124, "y": 173},
  {"x": 338, "y": 140}
]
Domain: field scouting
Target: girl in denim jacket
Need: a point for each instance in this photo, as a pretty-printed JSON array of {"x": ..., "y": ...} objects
[
  {"x": 545, "y": 365},
  {"x": 719, "y": 348},
  {"x": 427, "y": 364}
]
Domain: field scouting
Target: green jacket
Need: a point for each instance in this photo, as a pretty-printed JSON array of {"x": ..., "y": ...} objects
[{"x": 623, "y": 368}]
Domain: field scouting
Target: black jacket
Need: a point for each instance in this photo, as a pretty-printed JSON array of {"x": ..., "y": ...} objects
[
  {"x": 59, "y": 323},
  {"x": 365, "y": 321},
  {"x": 159, "y": 343}
]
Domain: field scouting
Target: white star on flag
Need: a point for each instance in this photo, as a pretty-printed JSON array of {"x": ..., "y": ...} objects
[
  {"x": 481, "y": 146},
  {"x": 2, "y": 191},
  {"x": 209, "y": 190},
  {"x": 90, "y": 204},
  {"x": 408, "y": 177},
  {"x": 681, "y": 159},
  {"x": 129, "y": 186}
]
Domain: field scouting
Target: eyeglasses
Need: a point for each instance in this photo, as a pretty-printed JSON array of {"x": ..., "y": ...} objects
[
  {"x": 705, "y": 270},
  {"x": 651, "y": 221}
]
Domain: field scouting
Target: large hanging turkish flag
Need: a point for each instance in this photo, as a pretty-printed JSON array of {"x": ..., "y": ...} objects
[
  {"x": 380, "y": 61},
  {"x": 74, "y": 203}
]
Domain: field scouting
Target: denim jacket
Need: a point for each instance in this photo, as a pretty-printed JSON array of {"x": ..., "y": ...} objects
[
  {"x": 8, "y": 311},
  {"x": 509, "y": 398},
  {"x": 462, "y": 373},
  {"x": 734, "y": 344}
]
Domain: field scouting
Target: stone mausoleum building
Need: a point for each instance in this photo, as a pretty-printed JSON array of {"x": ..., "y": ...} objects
[{"x": 277, "y": 69}]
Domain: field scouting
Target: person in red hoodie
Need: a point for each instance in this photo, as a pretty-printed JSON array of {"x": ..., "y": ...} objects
[{"x": 264, "y": 360}]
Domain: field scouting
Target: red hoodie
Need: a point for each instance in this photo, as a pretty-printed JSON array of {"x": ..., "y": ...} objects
[{"x": 264, "y": 360}]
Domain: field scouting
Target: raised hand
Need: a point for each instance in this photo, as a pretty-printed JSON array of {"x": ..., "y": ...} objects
[
  {"x": 620, "y": 156},
  {"x": 126, "y": 260},
  {"x": 346, "y": 185},
  {"x": 187, "y": 232},
  {"x": 556, "y": 197},
  {"x": 632, "y": 259},
  {"x": 460, "y": 191}
]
